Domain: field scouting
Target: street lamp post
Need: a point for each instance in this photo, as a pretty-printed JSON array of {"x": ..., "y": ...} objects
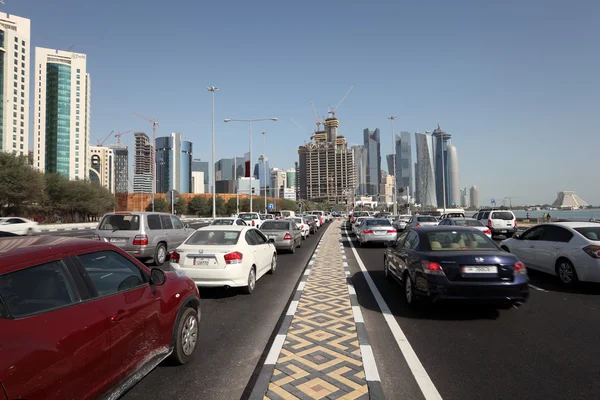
[
  {"x": 394, "y": 196},
  {"x": 213, "y": 89},
  {"x": 264, "y": 133},
  {"x": 250, "y": 121},
  {"x": 443, "y": 172}
]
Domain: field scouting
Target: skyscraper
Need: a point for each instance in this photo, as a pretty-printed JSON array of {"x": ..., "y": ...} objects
[
  {"x": 360, "y": 162},
  {"x": 290, "y": 178},
  {"x": 424, "y": 170},
  {"x": 262, "y": 172},
  {"x": 142, "y": 169},
  {"x": 404, "y": 165},
  {"x": 121, "y": 153},
  {"x": 14, "y": 84},
  {"x": 441, "y": 140},
  {"x": 201, "y": 166},
  {"x": 373, "y": 145},
  {"x": 62, "y": 113},
  {"x": 173, "y": 164},
  {"x": 474, "y": 197},
  {"x": 453, "y": 174},
  {"x": 102, "y": 167}
]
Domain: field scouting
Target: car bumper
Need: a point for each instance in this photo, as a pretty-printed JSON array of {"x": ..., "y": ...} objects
[
  {"x": 284, "y": 245},
  {"x": 232, "y": 275},
  {"x": 142, "y": 252},
  {"x": 503, "y": 231},
  {"x": 373, "y": 238},
  {"x": 438, "y": 288}
]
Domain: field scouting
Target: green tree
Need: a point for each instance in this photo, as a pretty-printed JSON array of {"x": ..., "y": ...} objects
[
  {"x": 219, "y": 206},
  {"x": 232, "y": 206},
  {"x": 198, "y": 205},
  {"x": 21, "y": 185},
  {"x": 181, "y": 206},
  {"x": 160, "y": 205}
]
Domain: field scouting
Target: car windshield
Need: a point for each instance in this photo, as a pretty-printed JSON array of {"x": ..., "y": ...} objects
[
  {"x": 377, "y": 222},
  {"x": 121, "y": 222},
  {"x": 507, "y": 216},
  {"x": 222, "y": 222},
  {"x": 426, "y": 219},
  {"x": 449, "y": 240},
  {"x": 248, "y": 217},
  {"x": 275, "y": 226},
  {"x": 590, "y": 233},
  {"x": 467, "y": 222},
  {"x": 213, "y": 238}
]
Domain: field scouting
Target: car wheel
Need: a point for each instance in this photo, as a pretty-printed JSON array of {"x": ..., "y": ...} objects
[
  {"x": 186, "y": 337},
  {"x": 29, "y": 232},
  {"x": 300, "y": 243},
  {"x": 160, "y": 254},
  {"x": 409, "y": 291},
  {"x": 273, "y": 264},
  {"x": 386, "y": 269},
  {"x": 566, "y": 271},
  {"x": 251, "y": 281},
  {"x": 293, "y": 248}
]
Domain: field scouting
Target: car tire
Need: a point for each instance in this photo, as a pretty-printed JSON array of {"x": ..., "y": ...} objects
[
  {"x": 160, "y": 254},
  {"x": 300, "y": 243},
  {"x": 565, "y": 270},
  {"x": 509, "y": 235},
  {"x": 273, "y": 264},
  {"x": 409, "y": 291},
  {"x": 186, "y": 337},
  {"x": 29, "y": 232},
  {"x": 386, "y": 270},
  {"x": 249, "y": 288},
  {"x": 293, "y": 248}
]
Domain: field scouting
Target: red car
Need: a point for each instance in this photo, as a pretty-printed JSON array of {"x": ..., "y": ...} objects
[{"x": 81, "y": 319}]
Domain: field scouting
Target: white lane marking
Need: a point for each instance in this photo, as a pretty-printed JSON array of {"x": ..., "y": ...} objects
[
  {"x": 537, "y": 288},
  {"x": 425, "y": 383},
  {"x": 358, "y": 317},
  {"x": 311, "y": 262},
  {"x": 275, "y": 350},
  {"x": 307, "y": 272},
  {"x": 345, "y": 264},
  {"x": 371, "y": 373},
  {"x": 301, "y": 286},
  {"x": 293, "y": 308},
  {"x": 351, "y": 289}
]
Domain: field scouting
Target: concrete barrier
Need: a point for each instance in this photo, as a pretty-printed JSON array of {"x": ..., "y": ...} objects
[{"x": 67, "y": 227}]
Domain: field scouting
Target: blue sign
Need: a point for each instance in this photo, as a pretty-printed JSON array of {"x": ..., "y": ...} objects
[
  {"x": 270, "y": 206},
  {"x": 493, "y": 201}
]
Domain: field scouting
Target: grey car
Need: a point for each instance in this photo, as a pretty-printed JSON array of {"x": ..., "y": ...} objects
[
  {"x": 285, "y": 234},
  {"x": 144, "y": 235},
  {"x": 421, "y": 220},
  {"x": 376, "y": 230}
]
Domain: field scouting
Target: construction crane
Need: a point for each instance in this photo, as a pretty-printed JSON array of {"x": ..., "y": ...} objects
[
  {"x": 316, "y": 116},
  {"x": 154, "y": 125},
  {"x": 298, "y": 125},
  {"x": 333, "y": 110},
  {"x": 118, "y": 136},
  {"x": 70, "y": 47},
  {"x": 101, "y": 143}
]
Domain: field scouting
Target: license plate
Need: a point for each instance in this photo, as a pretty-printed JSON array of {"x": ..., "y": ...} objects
[
  {"x": 201, "y": 261},
  {"x": 118, "y": 240},
  {"x": 480, "y": 269},
  {"x": 504, "y": 231}
]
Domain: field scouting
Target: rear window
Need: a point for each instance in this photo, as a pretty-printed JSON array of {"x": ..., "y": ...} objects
[
  {"x": 360, "y": 214},
  {"x": 378, "y": 222},
  {"x": 120, "y": 222},
  {"x": 467, "y": 222},
  {"x": 275, "y": 226},
  {"x": 297, "y": 220},
  {"x": 507, "y": 216},
  {"x": 590, "y": 233},
  {"x": 286, "y": 213},
  {"x": 213, "y": 238},
  {"x": 459, "y": 241},
  {"x": 222, "y": 222},
  {"x": 455, "y": 215},
  {"x": 426, "y": 219},
  {"x": 248, "y": 217}
]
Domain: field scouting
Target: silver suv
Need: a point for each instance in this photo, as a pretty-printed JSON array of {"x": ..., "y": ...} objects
[{"x": 144, "y": 235}]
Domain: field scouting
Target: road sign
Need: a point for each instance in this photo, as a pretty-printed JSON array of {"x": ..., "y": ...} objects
[
  {"x": 493, "y": 201},
  {"x": 271, "y": 206}
]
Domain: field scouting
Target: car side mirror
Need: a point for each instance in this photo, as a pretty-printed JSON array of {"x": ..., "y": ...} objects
[
  {"x": 157, "y": 276},
  {"x": 271, "y": 240}
]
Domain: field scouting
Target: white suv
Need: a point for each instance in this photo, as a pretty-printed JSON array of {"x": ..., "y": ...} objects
[{"x": 500, "y": 222}]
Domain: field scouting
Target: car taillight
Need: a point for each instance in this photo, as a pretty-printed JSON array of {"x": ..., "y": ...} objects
[
  {"x": 432, "y": 268},
  {"x": 96, "y": 237},
  {"x": 252, "y": 222},
  {"x": 352, "y": 220},
  {"x": 302, "y": 226},
  {"x": 368, "y": 231},
  {"x": 175, "y": 257},
  {"x": 140, "y": 240},
  {"x": 489, "y": 223},
  {"x": 418, "y": 225},
  {"x": 288, "y": 236},
  {"x": 487, "y": 231},
  {"x": 593, "y": 251},
  {"x": 515, "y": 223},
  {"x": 233, "y": 258},
  {"x": 520, "y": 268},
  {"x": 391, "y": 231}
]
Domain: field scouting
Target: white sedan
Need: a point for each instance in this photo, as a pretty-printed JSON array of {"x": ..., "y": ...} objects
[
  {"x": 19, "y": 226},
  {"x": 229, "y": 256},
  {"x": 229, "y": 221},
  {"x": 569, "y": 250},
  {"x": 303, "y": 225}
]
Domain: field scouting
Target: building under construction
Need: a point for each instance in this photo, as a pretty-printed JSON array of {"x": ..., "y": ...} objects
[{"x": 326, "y": 170}]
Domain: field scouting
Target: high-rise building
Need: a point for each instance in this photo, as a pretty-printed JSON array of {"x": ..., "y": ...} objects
[
  {"x": 224, "y": 169},
  {"x": 474, "y": 197},
  {"x": 278, "y": 181},
  {"x": 360, "y": 155},
  {"x": 173, "y": 164},
  {"x": 424, "y": 170},
  {"x": 403, "y": 170},
  {"x": 453, "y": 177},
  {"x": 290, "y": 179},
  {"x": 326, "y": 167},
  {"x": 15, "y": 53},
  {"x": 441, "y": 141},
  {"x": 142, "y": 168},
  {"x": 201, "y": 166},
  {"x": 386, "y": 190},
  {"x": 62, "y": 113},
  {"x": 121, "y": 153},
  {"x": 262, "y": 172},
  {"x": 373, "y": 145},
  {"x": 197, "y": 182},
  {"x": 102, "y": 167},
  {"x": 464, "y": 198}
]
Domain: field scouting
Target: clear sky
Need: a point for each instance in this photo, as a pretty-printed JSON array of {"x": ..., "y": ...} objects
[{"x": 515, "y": 82}]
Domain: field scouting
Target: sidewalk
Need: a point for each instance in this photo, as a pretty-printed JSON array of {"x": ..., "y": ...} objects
[{"x": 321, "y": 350}]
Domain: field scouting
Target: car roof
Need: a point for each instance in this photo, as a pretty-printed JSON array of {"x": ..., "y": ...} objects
[
  {"x": 576, "y": 224},
  {"x": 138, "y": 213},
  {"x": 234, "y": 218},
  {"x": 22, "y": 249},
  {"x": 224, "y": 228},
  {"x": 464, "y": 218},
  {"x": 434, "y": 228}
]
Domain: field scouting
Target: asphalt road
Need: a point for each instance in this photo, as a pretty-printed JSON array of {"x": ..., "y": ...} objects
[
  {"x": 545, "y": 349},
  {"x": 234, "y": 332}
]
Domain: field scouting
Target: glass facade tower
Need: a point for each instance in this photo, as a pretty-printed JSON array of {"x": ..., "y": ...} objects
[{"x": 58, "y": 118}]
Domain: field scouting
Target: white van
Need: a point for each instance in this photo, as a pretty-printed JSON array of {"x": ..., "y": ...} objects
[{"x": 287, "y": 214}]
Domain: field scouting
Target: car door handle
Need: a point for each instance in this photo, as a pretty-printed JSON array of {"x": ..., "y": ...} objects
[{"x": 119, "y": 316}]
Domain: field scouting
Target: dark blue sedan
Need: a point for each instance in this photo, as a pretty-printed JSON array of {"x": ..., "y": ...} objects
[{"x": 455, "y": 263}]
